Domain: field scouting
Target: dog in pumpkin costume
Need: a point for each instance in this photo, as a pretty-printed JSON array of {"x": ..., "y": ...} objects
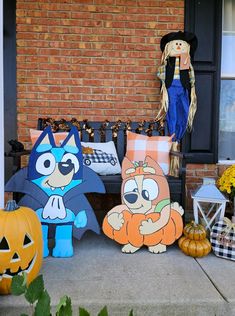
[{"x": 146, "y": 216}]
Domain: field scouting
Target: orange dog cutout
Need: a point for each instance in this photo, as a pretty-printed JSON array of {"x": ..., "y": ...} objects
[{"x": 146, "y": 216}]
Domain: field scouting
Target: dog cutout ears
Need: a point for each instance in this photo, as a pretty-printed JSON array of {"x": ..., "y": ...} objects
[
  {"x": 146, "y": 215},
  {"x": 54, "y": 184}
]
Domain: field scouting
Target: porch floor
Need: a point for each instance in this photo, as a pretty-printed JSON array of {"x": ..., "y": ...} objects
[{"x": 151, "y": 284}]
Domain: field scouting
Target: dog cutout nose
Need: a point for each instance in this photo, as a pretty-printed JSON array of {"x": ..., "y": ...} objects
[
  {"x": 131, "y": 197},
  {"x": 65, "y": 167}
]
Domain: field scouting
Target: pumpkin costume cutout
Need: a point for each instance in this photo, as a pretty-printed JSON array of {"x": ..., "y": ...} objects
[
  {"x": 54, "y": 185},
  {"x": 21, "y": 246},
  {"x": 146, "y": 216}
]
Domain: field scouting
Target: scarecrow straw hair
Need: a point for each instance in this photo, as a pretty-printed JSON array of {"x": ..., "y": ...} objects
[{"x": 193, "y": 102}]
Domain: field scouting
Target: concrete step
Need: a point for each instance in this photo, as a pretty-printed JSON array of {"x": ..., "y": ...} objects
[{"x": 151, "y": 284}]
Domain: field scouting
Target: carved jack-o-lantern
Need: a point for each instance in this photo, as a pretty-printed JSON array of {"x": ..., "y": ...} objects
[{"x": 20, "y": 244}]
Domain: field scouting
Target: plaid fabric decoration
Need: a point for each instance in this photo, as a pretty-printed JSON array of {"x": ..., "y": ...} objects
[
  {"x": 157, "y": 147},
  {"x": 222, "y": 238},
  {"x": 177, "y": 68},
  {"x": 100, "y": 156},
  {"x": 161, "y": 73}
]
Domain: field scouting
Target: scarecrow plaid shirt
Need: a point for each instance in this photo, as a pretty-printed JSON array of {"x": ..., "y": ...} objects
[{"x": 162, "y": 74}]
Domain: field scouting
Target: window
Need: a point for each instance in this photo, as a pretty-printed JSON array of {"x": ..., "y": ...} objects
[{"x": 227, "y": 93}]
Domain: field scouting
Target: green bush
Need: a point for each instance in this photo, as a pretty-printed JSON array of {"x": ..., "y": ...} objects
[{"x": 40, "y": 301}]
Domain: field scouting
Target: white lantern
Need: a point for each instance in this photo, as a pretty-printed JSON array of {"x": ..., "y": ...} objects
[{"x": 209, "y": 203}]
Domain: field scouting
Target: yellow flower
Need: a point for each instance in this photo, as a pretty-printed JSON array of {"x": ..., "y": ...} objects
[{"x": 226, "y": 182}]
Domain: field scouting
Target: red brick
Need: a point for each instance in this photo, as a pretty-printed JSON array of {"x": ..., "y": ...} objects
[{"x": 91, "y": 58}]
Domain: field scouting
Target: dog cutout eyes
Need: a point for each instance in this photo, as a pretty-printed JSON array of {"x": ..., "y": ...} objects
[
  {"x": 45, "y": 164},
  {"x": 70, "y": 158},
  {"x": 130, "y": 186},
  {"x": 150, "y": 189}
]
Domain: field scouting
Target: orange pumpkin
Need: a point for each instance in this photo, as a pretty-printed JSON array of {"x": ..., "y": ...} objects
[
  {"x": 21, "y": 245},
  {"x": 194, "y": 242},
  {"x": 195, "y": 231},
  {"x": 129, "y": 232},
  {"x": 194, "y": 248}
]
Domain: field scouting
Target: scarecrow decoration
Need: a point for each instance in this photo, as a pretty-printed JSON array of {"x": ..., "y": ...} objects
[{"x": 179, "y": 102}]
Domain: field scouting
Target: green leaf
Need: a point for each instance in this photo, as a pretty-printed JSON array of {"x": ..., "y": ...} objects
[
  {"x": 35, "y": 289},
  {"x": 64, "y": 308},
  {"x": 131, "y": 313},
  {"x": 43, "y": 307},
  {"x": 103, "y": 312},
  {"x": 83, "y": 312},
  {"x": 62, "y": 302},
  {"x": 18, "y": 285},
  {"x": 25, "y": 278}
]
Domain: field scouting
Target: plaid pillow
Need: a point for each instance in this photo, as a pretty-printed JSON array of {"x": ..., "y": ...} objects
[
  {"x": 157, "y": 147},
  {"x": 222, "y": 238}
]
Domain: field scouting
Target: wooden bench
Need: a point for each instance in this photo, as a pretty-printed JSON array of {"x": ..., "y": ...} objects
[{"x": 116, "y": 132}]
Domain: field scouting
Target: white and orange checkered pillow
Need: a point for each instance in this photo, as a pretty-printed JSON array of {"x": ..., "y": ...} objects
[{"x": 157, "y": 147}]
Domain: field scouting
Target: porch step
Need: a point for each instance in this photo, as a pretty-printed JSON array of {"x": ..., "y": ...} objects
[{"x": 151, "y": 284}]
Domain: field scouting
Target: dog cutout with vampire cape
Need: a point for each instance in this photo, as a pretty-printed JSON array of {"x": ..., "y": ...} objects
[
  {"x": 146, "y": 215},
  {"x": 54, "y": 184}
]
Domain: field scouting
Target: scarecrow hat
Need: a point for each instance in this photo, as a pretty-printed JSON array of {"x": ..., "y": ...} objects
[{"x": 188, "y": 37}]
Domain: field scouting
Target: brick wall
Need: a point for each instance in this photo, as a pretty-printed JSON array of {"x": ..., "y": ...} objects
[
  {"x": 194, "y": 175},
  {"x": 93, "y": 59}
]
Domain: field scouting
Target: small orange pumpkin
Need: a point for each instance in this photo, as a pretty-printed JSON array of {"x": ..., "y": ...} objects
[
  {"x": 195, "y": 231},
  {"x": 21, "y": 245},
  {"x": 194, "y": 242},
  {"x": 129, "y": 232}
]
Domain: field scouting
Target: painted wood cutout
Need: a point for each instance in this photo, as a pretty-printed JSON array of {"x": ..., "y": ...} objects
[
  {"x": 146, "y": 215},
  {"x": 54, "y": 184}
]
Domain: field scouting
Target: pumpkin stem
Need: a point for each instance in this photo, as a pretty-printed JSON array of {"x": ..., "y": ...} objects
[{"x": 11, "y": 206}]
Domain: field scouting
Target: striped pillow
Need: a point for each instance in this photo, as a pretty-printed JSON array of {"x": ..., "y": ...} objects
[{"x": 157, "y": 147}]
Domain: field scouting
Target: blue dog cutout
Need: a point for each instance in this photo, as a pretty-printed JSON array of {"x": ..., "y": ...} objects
[{"x": 54, "y": 184}]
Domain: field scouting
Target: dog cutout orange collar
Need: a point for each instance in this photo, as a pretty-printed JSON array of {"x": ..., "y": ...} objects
[{"x": 146, "y": 215}]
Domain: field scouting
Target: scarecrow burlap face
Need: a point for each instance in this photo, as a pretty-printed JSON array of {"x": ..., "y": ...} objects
[{"x": 179, "y": 48}]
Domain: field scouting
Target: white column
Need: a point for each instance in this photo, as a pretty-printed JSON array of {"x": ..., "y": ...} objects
[{"x": 2, "y": 180}]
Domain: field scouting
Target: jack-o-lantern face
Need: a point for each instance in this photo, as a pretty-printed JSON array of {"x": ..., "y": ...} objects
[{"x": 20, "y": 246}]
